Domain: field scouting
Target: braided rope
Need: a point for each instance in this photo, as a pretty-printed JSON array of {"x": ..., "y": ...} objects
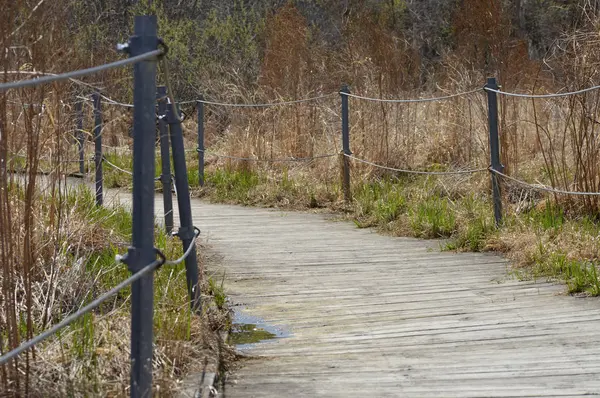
[
  {"x": 276, "y": 160},
  {"x": 471, "y": 171},
  {"x": 114, "y": 166},
  {"x": 543, "y": 187},
  {"x": 265, "y": 105},
  {"x": 556, "y": 95},
  {"x": 417, "y": 100}
]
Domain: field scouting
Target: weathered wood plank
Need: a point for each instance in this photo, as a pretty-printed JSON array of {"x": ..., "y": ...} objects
[{"x": 372, "y": 315}]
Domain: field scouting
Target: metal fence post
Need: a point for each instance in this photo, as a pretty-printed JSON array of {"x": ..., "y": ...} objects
[
  {"x": 494, "y": 148},
  {"x": 165, "y": 176},
  {"x": 200, "y": 107},
  {"x": 345, "y": 145},
  {"x": 80, "y": 137},
  {"x": 186, "y": 230},
  {"x": 98, "y": 146},
  {"x": 142, "y": 251}
]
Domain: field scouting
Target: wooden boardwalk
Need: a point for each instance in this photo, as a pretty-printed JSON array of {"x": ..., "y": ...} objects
[{"x": 376, "y": 316}]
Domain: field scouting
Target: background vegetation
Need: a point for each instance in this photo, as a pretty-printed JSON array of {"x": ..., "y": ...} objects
[{"x": 268, "y": 50}]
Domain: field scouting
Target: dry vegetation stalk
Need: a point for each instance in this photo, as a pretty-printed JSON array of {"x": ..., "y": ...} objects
[{"x": 57, "y": 248}]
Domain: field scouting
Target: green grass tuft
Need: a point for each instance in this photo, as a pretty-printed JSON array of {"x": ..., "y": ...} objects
[
  {"x": 379, "y": 202},
  {"x": 550, "y": 217},
  {"x": 217, "y": 290},
  {"x": 580, "y": 276},
  {"x": 433, "y": 218},
  {"x": 232, "y": 185}
]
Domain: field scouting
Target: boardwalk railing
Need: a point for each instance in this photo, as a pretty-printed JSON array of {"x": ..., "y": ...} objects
[
  {"x": 495, "y": 168},
  {"x": 151, "y": 103},
  {"x": 142, "y": 257}
]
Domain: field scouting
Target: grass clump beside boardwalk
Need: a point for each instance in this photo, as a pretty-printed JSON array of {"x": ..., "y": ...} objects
[
  {"x": 549, "y": 244},
  {"x": 91, "y": 356}
]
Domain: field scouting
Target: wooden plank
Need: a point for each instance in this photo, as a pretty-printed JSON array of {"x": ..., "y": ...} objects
[{"x": 372, "y": 315}]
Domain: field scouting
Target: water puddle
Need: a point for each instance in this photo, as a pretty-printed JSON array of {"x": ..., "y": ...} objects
[
  {"x": 249, "y": 333},
  {"x": 248, "y": 330}
]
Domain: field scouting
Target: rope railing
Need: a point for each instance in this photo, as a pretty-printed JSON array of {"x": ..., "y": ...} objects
[
  {"x": 144, "y": 46},
  {"x": 174, "y": 125},
  {"x": 20, "y": 155},
  {"x": 110, "y": 101},
  {"x": 534, "y": 96},
  {"x": 107, "y": 101},
  {"x": 261, "y": 105},
  {"x": 114, "y": 166},
  {"x": 73, "y": 317},
  {"x": 543, "y": 188},
  {"x": 80, "y": 73},
  {"x": 414, "y": 100},
  {"x": 97, "y": 302},
  {"x": 39, "y": 73},
  {"x": 187, "y": 252},
  {"x": 272, "y": 160},
  {"x": 240, "y": 158},
  {"x": 407, "y": 171}
]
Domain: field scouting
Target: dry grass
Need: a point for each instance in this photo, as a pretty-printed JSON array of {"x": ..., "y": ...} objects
[
  {"x": 46, "y": 244},
  {"x": 57, "y": 248},
  {"x": 91, "y": 357}
]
